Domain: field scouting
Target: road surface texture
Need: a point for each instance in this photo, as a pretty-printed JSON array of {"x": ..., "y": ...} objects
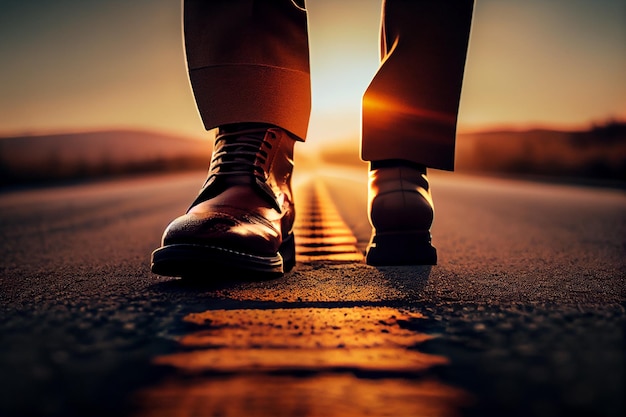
[{"x": 523, "y": 315}]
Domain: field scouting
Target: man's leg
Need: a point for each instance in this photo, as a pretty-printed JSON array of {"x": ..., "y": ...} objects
[
  {"x": 248, "y": 64},
  {"x": 248, "y": 61},
  {"x": 409, "y": 121}
]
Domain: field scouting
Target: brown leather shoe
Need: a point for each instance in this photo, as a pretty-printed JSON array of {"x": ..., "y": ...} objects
[
  {"x": 401, "y": 212},
  {"x": 243, "y": 217}
]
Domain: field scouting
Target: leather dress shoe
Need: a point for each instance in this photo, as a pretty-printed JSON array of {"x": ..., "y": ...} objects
[
  {"x": 401, "y": 213},
  {"x": 243, "y": 217}
]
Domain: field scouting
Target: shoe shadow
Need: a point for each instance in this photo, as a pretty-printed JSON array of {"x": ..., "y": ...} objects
[
  {"x": 409, "y": 279},
  {"x": 214, "y": 281}
]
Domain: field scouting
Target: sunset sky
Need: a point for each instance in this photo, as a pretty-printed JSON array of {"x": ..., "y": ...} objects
[{"x": 71, "y": 65}]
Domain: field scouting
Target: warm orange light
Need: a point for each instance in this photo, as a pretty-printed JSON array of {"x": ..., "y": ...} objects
[
  {"x": 385, "y": 105},
  {"x": 260, "y": 353}
]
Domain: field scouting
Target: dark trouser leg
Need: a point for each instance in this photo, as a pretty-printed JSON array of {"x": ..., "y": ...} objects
[
  {"x": 410, "y": 108},
  {"x": 248, "y": 61}
]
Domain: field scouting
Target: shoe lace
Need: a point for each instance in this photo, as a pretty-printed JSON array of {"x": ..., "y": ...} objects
[{"x": 240, "y": 153}]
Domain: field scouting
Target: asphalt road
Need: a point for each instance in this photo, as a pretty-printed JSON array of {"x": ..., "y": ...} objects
[{"x": 523, "y": 315}]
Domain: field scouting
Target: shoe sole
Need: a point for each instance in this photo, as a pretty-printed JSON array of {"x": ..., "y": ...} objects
[
  {"x": 401, "y": 248},
  {"x": 195, "y": 261}
]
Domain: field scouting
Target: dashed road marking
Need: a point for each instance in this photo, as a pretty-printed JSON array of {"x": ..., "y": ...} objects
[
  {"x": 321, "y": 233},
  {"x": 294, "y": 362},
  {"x": 373, "y": 339}
]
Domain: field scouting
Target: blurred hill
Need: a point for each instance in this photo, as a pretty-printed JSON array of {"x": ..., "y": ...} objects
[
  {"x": 597, "y": 153},
  {"x": 49, "y": 158}
]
